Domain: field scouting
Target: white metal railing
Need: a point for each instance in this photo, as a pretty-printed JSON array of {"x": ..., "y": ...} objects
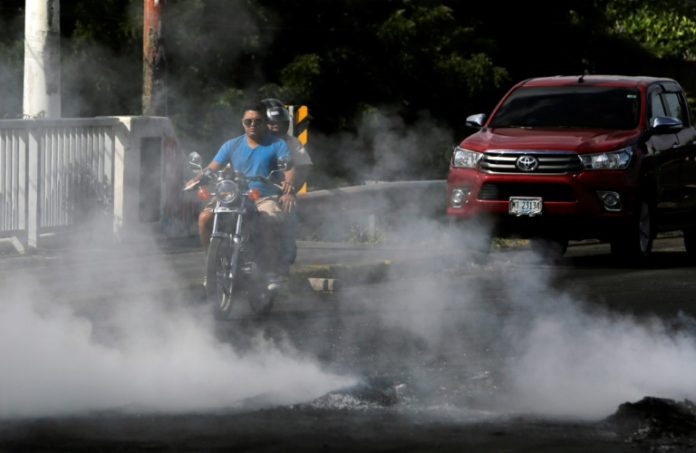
[
  {"x": 55, "y": 173},
  {"x": 13, "y": 162}
]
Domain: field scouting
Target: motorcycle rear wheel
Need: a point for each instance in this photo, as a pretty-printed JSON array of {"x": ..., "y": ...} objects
[{"x": 219, "y": 290}]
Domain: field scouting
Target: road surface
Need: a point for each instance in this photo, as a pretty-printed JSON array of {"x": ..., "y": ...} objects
[{"x": 417, "y": 352}]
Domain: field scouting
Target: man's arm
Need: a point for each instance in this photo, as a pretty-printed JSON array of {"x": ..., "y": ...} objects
[
  {"x": 289, "y": 181},
  {"x": 213, "y": 165},
  {"x": 287, "y": 198}
]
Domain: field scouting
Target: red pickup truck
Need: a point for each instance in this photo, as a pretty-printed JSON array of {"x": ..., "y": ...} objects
[{"x": 579, "y": 157}]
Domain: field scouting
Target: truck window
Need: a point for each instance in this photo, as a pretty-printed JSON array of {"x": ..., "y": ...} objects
[
  {"x": 656, "y": 107},
  {"x": 570, "y": 107},
  {"x": 675, "y": 107}
]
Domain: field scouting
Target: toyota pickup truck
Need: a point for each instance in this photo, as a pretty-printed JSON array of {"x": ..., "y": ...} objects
[{"x": 578, "y": 157}]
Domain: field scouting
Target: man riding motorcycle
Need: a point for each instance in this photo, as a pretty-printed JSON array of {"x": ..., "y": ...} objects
[{"x": 256, "y": 153}]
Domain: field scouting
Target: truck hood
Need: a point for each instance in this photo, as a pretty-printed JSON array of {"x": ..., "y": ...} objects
[{"x": 581, "y": 141}]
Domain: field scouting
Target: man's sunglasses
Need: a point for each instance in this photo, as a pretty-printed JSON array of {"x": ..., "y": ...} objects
[{"x": 249, "y": 121}]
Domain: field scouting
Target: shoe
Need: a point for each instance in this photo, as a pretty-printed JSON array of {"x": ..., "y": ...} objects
[{"x": 273, "y": 282}]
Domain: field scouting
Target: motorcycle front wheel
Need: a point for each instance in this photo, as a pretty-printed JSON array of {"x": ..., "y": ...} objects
[{"x": 219, "y": 286}]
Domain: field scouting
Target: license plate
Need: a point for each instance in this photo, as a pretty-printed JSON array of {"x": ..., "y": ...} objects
[{"x": 525, "y": 206}]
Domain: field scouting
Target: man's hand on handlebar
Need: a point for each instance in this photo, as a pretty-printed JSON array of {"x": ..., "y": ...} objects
[
  {"x": 191, "y": 183},
  {"x": 287, "y": 201},
  {"x": 287, "y": 188}
]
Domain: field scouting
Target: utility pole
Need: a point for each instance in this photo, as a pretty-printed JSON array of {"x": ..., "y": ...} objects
[
  {"x": 41, "y": 97},
  {"x": 154, "y": 89}
]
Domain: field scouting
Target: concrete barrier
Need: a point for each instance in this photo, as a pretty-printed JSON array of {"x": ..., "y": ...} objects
[{"x": 336, "y": 213}]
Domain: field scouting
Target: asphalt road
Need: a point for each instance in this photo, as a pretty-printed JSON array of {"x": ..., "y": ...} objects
[{"x": 414, "y": 351}]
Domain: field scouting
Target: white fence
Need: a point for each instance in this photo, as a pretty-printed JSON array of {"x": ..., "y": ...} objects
[{"x": 55, "y": 174}]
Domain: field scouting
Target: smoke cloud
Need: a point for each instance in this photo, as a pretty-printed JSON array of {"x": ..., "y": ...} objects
[
  {"x": 449, "y": 331},
  {"x": 571, "y": 359},
  {"x": 452, "y": 331},
  {"x": 496, "y": 334},
  {"x": 499, "y": 337},
  {"x": 384, "y": 147},
  {"x": 106, "y": 345}
]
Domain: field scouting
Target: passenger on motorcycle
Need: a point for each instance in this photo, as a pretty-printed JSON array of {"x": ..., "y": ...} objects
[
  {"x": 278, "y": 121},
  {"x": 256, "y": 153}
]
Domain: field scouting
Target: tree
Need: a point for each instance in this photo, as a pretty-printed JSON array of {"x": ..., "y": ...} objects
[
  {"x": 101, "y": 57},
  {"x": 666, "y": 28},
  {"x": 11, "y": 57},
  {"x": 361, "y": 65}
]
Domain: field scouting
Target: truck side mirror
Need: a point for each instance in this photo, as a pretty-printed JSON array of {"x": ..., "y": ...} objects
[
  {"x": 476, "y": 121},
  {"x": 665, "y": 124}
]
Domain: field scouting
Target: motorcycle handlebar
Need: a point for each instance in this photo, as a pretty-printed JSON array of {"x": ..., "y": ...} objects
[
  {"x": 208, "y": 175},
  {"x": 264, "y": 179}
]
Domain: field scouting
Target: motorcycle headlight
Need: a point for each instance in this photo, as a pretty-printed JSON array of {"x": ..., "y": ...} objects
[
  {"x": 465, "y": 158},
  {"x": 614, "y": 160},
  {"x": 227, "y": 191}
]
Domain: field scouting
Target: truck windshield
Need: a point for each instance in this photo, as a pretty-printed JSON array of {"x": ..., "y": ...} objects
[{"x": 570, "y": 107}]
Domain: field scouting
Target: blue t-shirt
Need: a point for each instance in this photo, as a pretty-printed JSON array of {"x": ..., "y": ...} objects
[{"x": 259, "y": 161}]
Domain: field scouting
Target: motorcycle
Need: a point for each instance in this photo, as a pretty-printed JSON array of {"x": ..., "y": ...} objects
[{"x": 233, "y": 273}]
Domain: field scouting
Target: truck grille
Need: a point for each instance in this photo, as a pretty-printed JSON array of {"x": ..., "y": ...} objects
[
  {"x": 503, "y": 191},
  {"x": 504, "y": 161}
]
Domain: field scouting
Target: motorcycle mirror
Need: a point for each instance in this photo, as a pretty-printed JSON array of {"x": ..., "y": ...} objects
[{"x": 195, "y": 161}]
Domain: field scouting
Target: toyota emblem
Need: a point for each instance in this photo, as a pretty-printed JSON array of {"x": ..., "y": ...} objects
[{"x": 527, "y": 163}]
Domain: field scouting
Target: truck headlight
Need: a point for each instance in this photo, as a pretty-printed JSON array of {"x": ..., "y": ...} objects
[
  {"x": 465, "y": 158},
  {"x": 614, "y": 160},
  {"x": 227, "y": 191}
]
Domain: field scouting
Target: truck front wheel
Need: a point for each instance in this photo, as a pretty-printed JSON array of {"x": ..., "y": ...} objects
[
  {"x": 690, "y": 242},
  {"x": 634, "y": 245}
]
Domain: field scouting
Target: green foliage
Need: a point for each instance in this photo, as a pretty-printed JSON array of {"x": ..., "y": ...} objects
[
  {"x": 666, "y": 28},
  {"x": 301, "y": 76},
  {"x": 349, "y": 61},
  {"x": 11, "y": 73},
  {"x": 11, "y": 58},
  {"x": 425, "y": 43},
  {"x": 112, "y": 22},
  {"x": 101, "y": 57}
]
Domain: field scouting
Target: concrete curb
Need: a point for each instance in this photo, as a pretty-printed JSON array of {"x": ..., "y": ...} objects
[{"x": 333, "y": 277}]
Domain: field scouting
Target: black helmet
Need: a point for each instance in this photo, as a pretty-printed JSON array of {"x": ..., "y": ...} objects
[{"x": 275, "y": 110}]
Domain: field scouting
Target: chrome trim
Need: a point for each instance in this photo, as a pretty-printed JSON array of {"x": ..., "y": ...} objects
[{"x": 550, "y": 161}]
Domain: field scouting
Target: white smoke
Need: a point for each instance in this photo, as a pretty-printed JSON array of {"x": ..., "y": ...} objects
[
  {"x": 130, "y": 352},
  {"x": 499, "y": 336},
  {"x": 383, "y": 147},
  {"x": 574, "y": 360}
]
